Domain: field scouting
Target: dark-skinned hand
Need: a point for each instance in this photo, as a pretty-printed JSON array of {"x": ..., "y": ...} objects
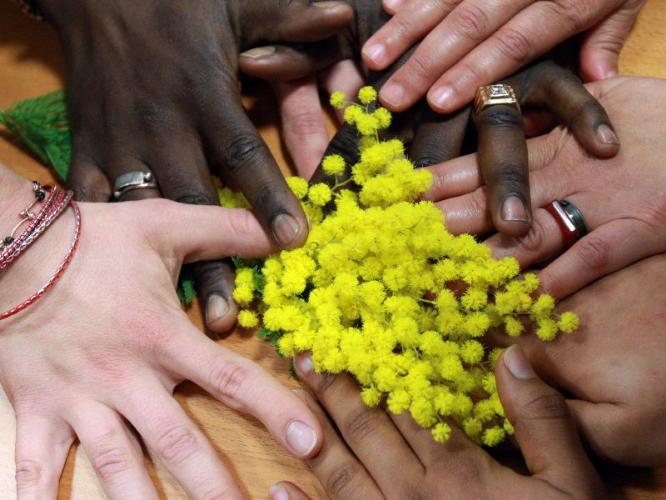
[
  {"x": 368, "y": 454},
  {"x": 432, "y": 138},
  {"x": 153, "y": 86}
]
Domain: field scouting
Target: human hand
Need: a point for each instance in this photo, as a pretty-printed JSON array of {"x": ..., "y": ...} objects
[
  {"x": 369, "y": 454},
  {"x": 153, "y": 87},
  {"x": 469, "y": 43},
  {"x": 106, "y": 347},
  {"x": 623, "y": 199},
  {"x": 612, "y": 367}
]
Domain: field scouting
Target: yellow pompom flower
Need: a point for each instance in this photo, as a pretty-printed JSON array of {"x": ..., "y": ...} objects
[
  {"x": 320, "y": 194},
  {"x": 298, "y": 186},
  {"x": 441, "y": 432},
  {"x": 568, "y": 322},
  {"x": 367, "y": 95},
  {"x": 338, "y": 100},
  {"x": 334, "y": 165},
  {"x": 247, "y": 319}
]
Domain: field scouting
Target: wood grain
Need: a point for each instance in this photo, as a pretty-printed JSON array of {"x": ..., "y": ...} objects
[{"x": 30, "y": 65}]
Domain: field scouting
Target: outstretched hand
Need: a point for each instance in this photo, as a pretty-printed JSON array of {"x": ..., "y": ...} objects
[{"x": 105, "y": 348}]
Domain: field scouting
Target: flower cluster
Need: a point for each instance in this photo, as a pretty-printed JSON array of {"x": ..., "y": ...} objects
[{"x": 381, "y": 290}]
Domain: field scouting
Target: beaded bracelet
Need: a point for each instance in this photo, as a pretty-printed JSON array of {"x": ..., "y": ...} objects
[
  {"x": 53, "y": 204},
  {"x": 25, "y": 215},
  {"x": 55, "y": 277},
  {"x": 29, "y": 8}
]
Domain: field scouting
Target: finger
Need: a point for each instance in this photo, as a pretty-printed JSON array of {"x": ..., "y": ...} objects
[
  {"x": 438, "y": 137},
  {"x": 184, "y": 176},
  {"x": 368, "y": 432},
  {"x": 313, "y": 21},
  {"x": 87, "y": 180},
  {"x": 393, "y": 6},
  {"x": 504, "y": 164},
  {"x": 176, "y": 441},
  {"x": 244, "y": 386},
  {"x": 600, "y": 50},
  {"x": 285, "y": 63},
  {"x": 343, "y": 76},
  {"x": 607, "y": 249},
  {"x": 468, "y": 213},
  {"x": 560, "y": 91},
  {"x": 337, "y": 469},
  {"x": 545, "y": 431},
  {"x": 518, "y": 42},
  {"x": 200, "y": 232},
  {"x": 404, "y": 29},
  {"x": 303, "y": 128},
  {"x": 286, "y": 491},
  {"x": 470, "y": 22},
  {"x": 114, "y": 453},
  {"x": 42, "y": 446},
  {"x": 245, "y": 163}
]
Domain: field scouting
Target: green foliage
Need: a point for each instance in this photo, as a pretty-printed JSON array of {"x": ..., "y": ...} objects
[{"x": 270, "y": 336}]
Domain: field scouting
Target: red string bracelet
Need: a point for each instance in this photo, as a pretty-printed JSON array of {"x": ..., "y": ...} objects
[{"x": 55, "y": 277}]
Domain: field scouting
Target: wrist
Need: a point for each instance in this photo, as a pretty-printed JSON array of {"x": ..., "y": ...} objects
[{"x": 16, "y": 194}]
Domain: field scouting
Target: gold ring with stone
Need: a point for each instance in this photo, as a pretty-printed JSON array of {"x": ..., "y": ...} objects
[{"x": 491, "y": 95}]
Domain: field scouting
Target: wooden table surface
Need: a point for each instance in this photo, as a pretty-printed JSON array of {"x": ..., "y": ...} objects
[{"x": 31, "y": 65}]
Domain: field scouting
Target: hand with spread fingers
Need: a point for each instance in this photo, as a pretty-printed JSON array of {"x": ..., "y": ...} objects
[
  {"x": 465, "y": 44},
  {"x": 369, "y": 454},
  {"x": 601, "y": 215},
  {"x": 154, "y": 101},
  {"x": 101, "y": 353}
]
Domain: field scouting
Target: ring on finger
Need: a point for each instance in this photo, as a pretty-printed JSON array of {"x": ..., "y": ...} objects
[
  {"x": 492, "y": 95},
  {"x": 131, "y": 181},
  {"x": 570, "y": 220}
]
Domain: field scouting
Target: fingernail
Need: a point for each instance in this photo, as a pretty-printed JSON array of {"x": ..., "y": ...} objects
[
  {"x": 216, "y": 308},
  {"x": 441, "y": 96},
  {"x": 301, "y": 438},
  {"x": 606, "y": 135},
  {"x": 392, "y": 4},
  {"x": 392, "y": 94},
  {"x": 326, "y": 5},
  {"x": 516, "y": 362},
  {"x": 304, "y": 363},
  {"x": 513, "y": 210},
  {"x": 375, "y": 52},
  {"x": 285, "y": 229},
  {"x": 278, "y": 492},
  {"x": 259, "y": 52}
]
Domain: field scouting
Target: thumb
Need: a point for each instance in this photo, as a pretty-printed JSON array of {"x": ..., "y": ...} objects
[
  {"x": 286, "y": 491},
  {"x": 600, "y": 50},
  {"x": 545, "y": 430},
  {"x": 201, "y": 232}
]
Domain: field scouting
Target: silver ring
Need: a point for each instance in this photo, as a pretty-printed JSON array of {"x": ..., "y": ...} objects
[{"x": 131, "y": 181}]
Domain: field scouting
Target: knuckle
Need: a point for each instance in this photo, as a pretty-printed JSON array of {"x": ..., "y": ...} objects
[
  {"x": 110, "y": 462},
  {"x": 587, "y": 113},
  {"x": 213, "y": 277},
  {"x": 500, "y": 117},
  {"x": 360, "y": 424},
  {"x": 419, "y": 68},
  {"x": 509, "y": 177},
  {"x": 242, "y": 223},
  {"x": 217, "y": 493},
  {"x": 466, "y": 470},
  {"x": 339, "y": 484},
  {"x": 594, "y": 252},
  {"x": 229, "y": 379},
  {"x": 177, "y": 444},
  {"x": 241, "y": 152},
  {"x": 654, "y": 214},
  {"x": 29, "y": 474},
  {"x": 305, "y": 123},
  {"x": 514, "y": 45},
  {"x": 573, "y": 13},
  {"x": 544, "y": 407},
  {"x": 471, "y": 21}
]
